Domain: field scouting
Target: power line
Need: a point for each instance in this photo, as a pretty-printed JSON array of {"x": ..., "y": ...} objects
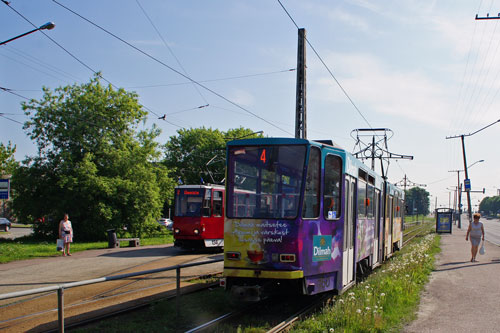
[
  {"x": 173, "y": 69},
  {"x": 81, "y": 62},
  {"x": 2, "y": 115},
  {"x": 60, "y": 46},
  {"x": 327, "y": 68},
  {"x": 213, "y": 80},
  {"x": 171, "y": 52},
  {"x": 13, "y": 93},
  {"x": 39, "y": 62},
  {"x": 33, "y": 68}
]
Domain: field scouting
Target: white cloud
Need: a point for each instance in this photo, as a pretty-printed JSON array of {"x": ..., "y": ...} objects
[
  {"x": 242, "y": 97},
  {"x": 408, "y": 94}
]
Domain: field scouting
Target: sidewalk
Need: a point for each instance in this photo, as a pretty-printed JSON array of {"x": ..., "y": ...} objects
[{"x": 461, "y": 296}]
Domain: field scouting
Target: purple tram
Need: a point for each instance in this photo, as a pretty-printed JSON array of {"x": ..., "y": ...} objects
[{"x": 304, "y": 215}]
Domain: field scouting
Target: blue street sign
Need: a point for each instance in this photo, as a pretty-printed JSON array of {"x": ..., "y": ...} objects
[
  {"x": 467, "y": 184},
  {"x": 4, "y": 188}
]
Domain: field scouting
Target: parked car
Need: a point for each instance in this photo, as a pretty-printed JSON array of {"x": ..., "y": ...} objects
[
  {"x": 168, "y": 223},
  {"x": 4, "y": 224}
]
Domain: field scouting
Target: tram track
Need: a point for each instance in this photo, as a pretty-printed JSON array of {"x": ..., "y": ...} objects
[
  {"x": 305, "y": 310},
  {"x": 85, "y": 303},
  {"x": 139, "y": 295}
]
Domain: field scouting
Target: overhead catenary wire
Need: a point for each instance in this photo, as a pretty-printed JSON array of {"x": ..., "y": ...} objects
[
  {"x": 328, "y": 69},
  {"x": 10, "y": 91},
  {"x": 32, "y": 67},
  {"x": 80, "y": 61},
  {"x": 15, "y": 121},
  {"x": 39, "y": 62},
  {"x": 173, "y": 69},
  {"x": 462, "y": 108},
  {"x": 170, "y": 50},
  {"x": 213, "y": 80}
]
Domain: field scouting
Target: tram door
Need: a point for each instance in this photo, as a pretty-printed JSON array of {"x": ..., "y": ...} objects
[
  {"x": 376, "y": 240},
  {"x": 349, "y": 232}
]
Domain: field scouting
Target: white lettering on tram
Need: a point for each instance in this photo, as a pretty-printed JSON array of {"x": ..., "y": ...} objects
[{"x": 318, "y": 251}]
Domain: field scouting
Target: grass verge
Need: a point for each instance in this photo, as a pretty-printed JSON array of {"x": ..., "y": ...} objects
[
  {"x": 28, "y": 247},
  {"x": 384, "y": 302}
]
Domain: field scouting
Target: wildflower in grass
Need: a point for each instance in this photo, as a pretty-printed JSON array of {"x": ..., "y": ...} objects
[
  {"x": 358, "y": 310},
  {"x": 351, "y": 294},
  {"x": 369, "y": 294},
  {"x": 332, "y": 329},
  {"x": 341, "y": 301},
  {"x": 382, "y": 294},
  {"x": 367, "y": 308}
]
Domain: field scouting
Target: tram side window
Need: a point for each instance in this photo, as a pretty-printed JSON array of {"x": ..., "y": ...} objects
[
  {"x": 370, "y": 202},
  {"x": 217, "y": 203},
  {"x": 361, "y": 199},
  {"x": 333, "y": 183},
  {"x": 206, "y": 204},
  {"x": 310, "y": 208}
]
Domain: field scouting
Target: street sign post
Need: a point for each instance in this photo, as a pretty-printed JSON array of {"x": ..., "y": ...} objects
[
  {"x": 467, "y": 184},
  {"x": 4, "y": 188}
]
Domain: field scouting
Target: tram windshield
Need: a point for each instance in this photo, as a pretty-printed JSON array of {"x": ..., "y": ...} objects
[
  {"x": 190, "y": 202},
  {"x": 265, "y": 181}
]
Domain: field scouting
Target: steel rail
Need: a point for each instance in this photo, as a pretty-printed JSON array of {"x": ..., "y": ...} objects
[{"x": 61, "y": 287}]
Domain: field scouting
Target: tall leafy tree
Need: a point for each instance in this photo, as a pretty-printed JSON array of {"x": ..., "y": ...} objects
[
  {"x": 92, "y": 162},
  {"x": 417, "y": 201},
  {"x": 198, "y": 155},
  {"x": 490, "y": 205},
  {"x": 8, "y": 162}
]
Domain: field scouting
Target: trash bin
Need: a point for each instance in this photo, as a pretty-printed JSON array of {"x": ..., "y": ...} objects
[{"x": 112, "y": 239}]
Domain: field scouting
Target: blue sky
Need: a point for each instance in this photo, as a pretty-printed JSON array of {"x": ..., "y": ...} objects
[{"x": 426, "y": 70}]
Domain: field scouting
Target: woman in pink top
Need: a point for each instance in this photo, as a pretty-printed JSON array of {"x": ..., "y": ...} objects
[
  {"x": 66, "y": 234},
  {"x": 475, "y": 231}
]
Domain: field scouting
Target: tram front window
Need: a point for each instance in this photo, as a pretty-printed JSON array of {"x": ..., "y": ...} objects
[
  {"x": 265, "y": 181},
  {"x": 189, "y": 202}
]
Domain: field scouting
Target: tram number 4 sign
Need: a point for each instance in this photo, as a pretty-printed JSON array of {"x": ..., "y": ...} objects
[{"x": 4, "y": 188}]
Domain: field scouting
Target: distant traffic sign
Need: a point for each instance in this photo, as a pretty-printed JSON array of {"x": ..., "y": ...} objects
[
  {"x": 4, "y": 188},
  {"x": 467, "y": 184}
]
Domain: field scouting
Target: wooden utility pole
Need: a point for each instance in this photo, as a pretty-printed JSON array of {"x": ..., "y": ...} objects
[{"x": 300, "y": 102}]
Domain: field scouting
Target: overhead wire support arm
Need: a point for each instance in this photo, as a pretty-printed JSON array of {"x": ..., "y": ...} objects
[
  {"x": 487, "y": 17},
  {"x": 376, "y": 149}
]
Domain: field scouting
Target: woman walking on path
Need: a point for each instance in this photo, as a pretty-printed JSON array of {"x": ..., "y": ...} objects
[
  {"x": 66, "y": 234},
  {"x": 475, "y": 231}
]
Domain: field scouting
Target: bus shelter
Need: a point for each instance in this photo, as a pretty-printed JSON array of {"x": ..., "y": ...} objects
[{"x": 444, "y": 218}]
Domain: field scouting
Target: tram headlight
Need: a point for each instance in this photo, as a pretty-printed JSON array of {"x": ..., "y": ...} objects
[
  {"x": 196, "y": 231},
  {"x": 177, "y": 230}
]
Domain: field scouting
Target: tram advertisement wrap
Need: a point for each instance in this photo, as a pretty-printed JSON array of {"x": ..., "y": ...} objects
[{"x": 256, "y": 240}]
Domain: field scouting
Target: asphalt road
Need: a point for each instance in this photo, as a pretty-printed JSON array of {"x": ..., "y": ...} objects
[
  {"x": 491, "y": 229},
  {"x": 16, "y": 232}
]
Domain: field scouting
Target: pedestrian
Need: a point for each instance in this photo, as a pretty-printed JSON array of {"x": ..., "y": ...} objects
[
  {"x": 475, "y": 231},
  {"x": 66, "y": 234}
]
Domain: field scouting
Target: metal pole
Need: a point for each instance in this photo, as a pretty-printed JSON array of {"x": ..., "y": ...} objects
[
  {"x": 466, "y": 177},
  {"x": 178, "y": 292},
  {"x": 60, "y": 309},
  {"x": 300, "y": 96},
  {"x": 459, "y": 189}
]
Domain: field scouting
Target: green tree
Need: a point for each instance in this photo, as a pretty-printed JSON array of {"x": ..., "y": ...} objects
[
  {"x": 417, "y": 201},
  {"x": 490, "y": 206},
  {"x": 200, "y": 153},
  {"x": 92, "y": 163},
  {"x": 8, "y": 162}
]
